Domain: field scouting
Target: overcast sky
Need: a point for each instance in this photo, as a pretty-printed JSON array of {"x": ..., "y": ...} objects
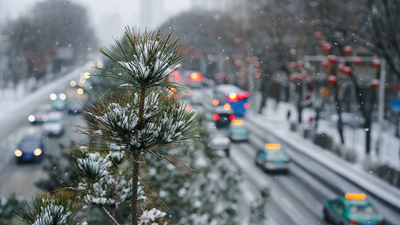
[{"x": 109, "y": 17}]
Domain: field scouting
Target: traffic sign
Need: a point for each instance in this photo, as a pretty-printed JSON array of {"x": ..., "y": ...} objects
[{"x": 395, "y": 105}]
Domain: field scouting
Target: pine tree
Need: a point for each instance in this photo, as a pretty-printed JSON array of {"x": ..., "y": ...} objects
[
  {"x": 144, "y": 118},
  {"x": 135, "y": 119}
]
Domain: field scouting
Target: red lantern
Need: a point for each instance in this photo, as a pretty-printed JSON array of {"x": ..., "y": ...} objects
[
  {"x": 257, "y": 64},
  {"x": 248, "y": 59},
  {"x": 332, "y": 79},
  {"x": 347, "y": 50},
  {"x": 238, "y": 63},
  {"x": 357, "y": 61},
  {"x": 300, "y": 64},
  {"x": 376, "y": 63},
  {"x": 317, "y": 35},
  {"x": 326, "y": 47},
  {"x": 293, "y": 77},
  {"x": 304, "y": 75},
  {"x": 325, "y": 64},
  {"x": 346, "y": 70},
  {"x": 332, "y": 58},
  {"x": 292, "y": 52},
  {"x": 341, "y": 66},
  {"x": 292, "y": 65},
  {"x": 374, "y": 84}
]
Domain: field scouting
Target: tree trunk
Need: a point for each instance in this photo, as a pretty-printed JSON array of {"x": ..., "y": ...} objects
[
  {"x": 300, "y": 100},
  {"x": 136, "y": 158},
  {"x": 368, "y": 135},
  {"x": 264, "y": 94},
  {"x": 135, "y": 180},
  {"x": 339, "y": 113}
]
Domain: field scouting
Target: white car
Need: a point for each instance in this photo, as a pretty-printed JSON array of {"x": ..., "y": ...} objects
[
  {"x": 220, "y": 143},
  {"x": 54, "y": 124}
]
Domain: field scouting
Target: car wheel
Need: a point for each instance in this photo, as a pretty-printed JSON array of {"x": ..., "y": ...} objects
[{"x": 326, "y": 215}]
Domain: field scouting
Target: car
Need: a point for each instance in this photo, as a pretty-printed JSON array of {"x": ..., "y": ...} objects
[
  {"x": 220, "y": 142},
  {"x": 75, "y": 107},
  {"x": 222, "y": 116},
  {"x": 237, "y": 131},
  {"x": 58, "y": 100},
  {"x": 40, "y": 114},
  {"x": 54, "y": 124},
  {"x": 31, "y": 148},
  {"x": 272, "y": 158},
  {"x": 348, "y": 119},
  {"x": 351, "y": 208}
]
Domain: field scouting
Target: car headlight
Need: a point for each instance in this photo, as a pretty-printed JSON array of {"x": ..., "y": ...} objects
[
  {"x": 37, "y": 152},
  {"x": 53, "y": 96},
  {"x": 18, "y": 153},
  {"x": 63, "y": 96},
  {"x": 31, "y": 118}
]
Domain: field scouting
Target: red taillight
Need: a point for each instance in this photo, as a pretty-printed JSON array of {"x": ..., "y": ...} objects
[
  {"x": 232, "y": 117},
  {"x": 216, "y": 117},
  {"x": 353, "y": 222},
  {"x": 196, "y": 77}
]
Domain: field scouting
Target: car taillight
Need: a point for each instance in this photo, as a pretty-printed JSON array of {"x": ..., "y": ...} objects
[
  {"x": 353, "y": 222},
  {"x": 232, "y": 117},
  {"x": 216, "y": 117}
]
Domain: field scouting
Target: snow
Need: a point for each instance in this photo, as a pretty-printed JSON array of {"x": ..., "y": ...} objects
[
  {"x": 52, "y": 214},
  {"x": 150, "y": 216}
]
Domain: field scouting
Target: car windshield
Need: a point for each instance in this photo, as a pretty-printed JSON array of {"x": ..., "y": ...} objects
[
  {"x": 276, "y": 154},
  {"x": 29, "y": 143},
  {"x": 362, "y": 209}
]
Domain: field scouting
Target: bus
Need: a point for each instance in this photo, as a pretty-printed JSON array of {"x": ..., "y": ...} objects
[{"x": 231, "y": 97}]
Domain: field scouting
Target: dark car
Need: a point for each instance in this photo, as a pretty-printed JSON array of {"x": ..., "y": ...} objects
[
  {"x": 75, "y": 107},
  {"x": 31, "y": 148},
  {"x": 222, "y": 116}
]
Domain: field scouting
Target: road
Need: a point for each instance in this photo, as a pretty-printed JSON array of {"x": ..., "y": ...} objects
[
  {"x": 20, "y": 178},
  {"x": 296, "y": 198}
]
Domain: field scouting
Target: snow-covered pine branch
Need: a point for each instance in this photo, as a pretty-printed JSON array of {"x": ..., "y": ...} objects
[{"x": 58, "y": 207}]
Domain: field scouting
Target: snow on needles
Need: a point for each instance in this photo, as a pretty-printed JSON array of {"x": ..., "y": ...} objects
[
  {"x": 150, "y": 63},
  {"x": 149, "y": 216},
  {"x": 52, "y": 215},
  {"x": 108, "y": 189},
  {"x": 162, "y": 125}
]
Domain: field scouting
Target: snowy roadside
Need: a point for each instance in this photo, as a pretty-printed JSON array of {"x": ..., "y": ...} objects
[{"x": 12, "y": 109}]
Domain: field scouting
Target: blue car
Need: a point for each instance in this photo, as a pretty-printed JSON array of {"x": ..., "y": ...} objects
[{"x": 31, "y": 148}]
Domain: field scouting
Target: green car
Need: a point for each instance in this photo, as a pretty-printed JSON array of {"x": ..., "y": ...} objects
[
  {"x": 58, "y": 100},
  {"x": 352, "y": 208},
  {"x": 272, "y": 158},
  {"x": 236, "y": 131}
]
